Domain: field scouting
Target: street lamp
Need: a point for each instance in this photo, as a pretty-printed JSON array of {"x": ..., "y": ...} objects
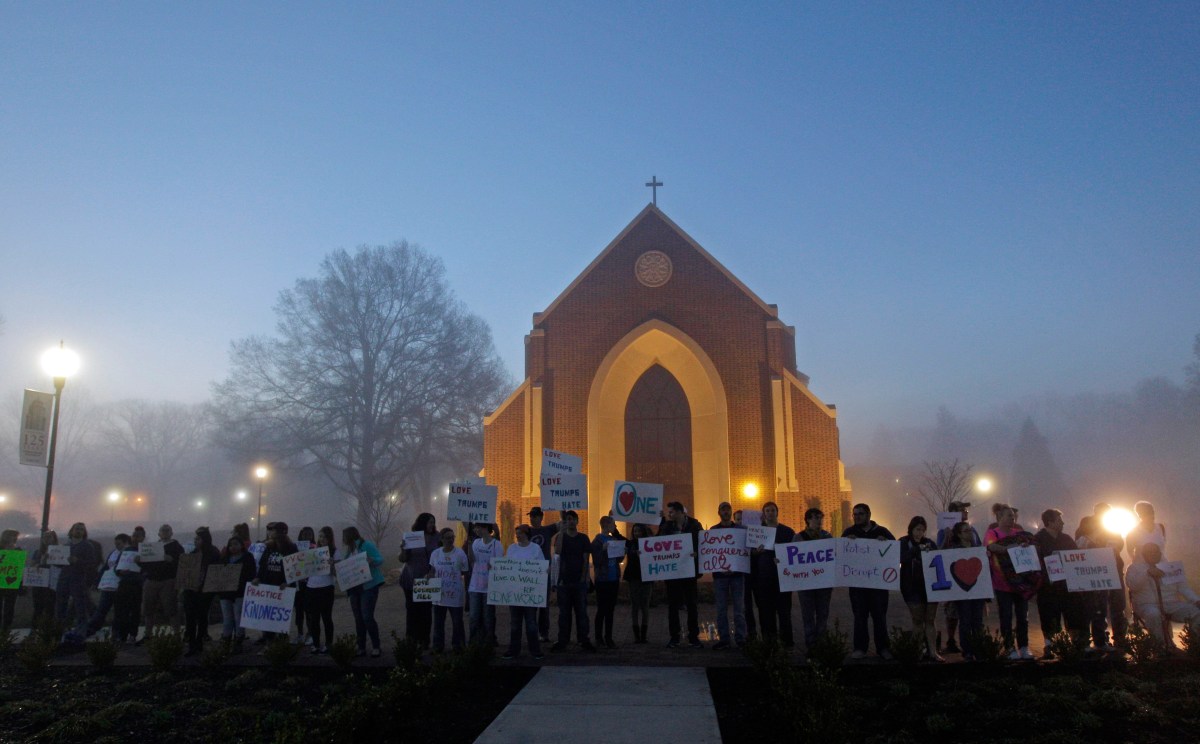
[
  {"x": 60, "y": 363},
  {"x": 984, "y": 485},
  {"x": 261, "y": 473},
  {"x": 113, "y": 498}
]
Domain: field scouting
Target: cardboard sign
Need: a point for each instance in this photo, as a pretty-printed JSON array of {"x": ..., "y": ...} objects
[
  {"x": 517, "y": 582},
  {"x": 947, "y": 520},
  {"x": 222, "y": 578},
  {"x": 640, "y": 503},
  {"x": 752, "y": 517},
  {"x": 127, "y": 561},
  {"x": 806, "y": 565},
  {"x": 1091, "y": 570},
  {"x": 268, "y": 608},
  {"x": 353, "y": 571},
  {"x": 1054, "y": 568},
  {"x": 471, "y": 502},
  {"x": 43, "y": 578},
  {"x": 1172, "y": 572},
  {"x": 724, "y": 551},
  {"x": 414, "y": 540},
  {"x": 869, "y": 564},
  {"x": 12, "y": 568},
  {"x": 560, "y": 462},
  {"x": 563, "y": 491},
  {"x": 760, "y": 537},
  {"x": 1024, "y": 558},
  {"x": 58, "y": 555},
  {"x": 152, "y": 552},
  {"x": 615, "y": 548},
  {"x": 667, "y": 557},
  {"x": 960, "y": 573},
  {"x": 427, "y": 590},
  {"x": 305, "y": 563},
  {"x": 188, "y": 577}
]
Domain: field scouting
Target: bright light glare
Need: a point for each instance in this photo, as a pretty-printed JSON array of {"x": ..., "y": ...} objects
[
  {"x": 199, "y": 503},
  {"x": 114, "y": 497},
  {"x": 984, "y": 485},
  {"x": 750, "y": 490},
  {"x": 60, "y": 362},
  {"x": 241, "y": 495},
  {"x": 260, "y": 472},
  {"x": 3, "y": 498},
  {"x": 1120, "y": 521}
]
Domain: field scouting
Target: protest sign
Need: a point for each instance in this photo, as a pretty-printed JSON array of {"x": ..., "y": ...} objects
[
  {"x": 427, "y": 590},
  {"x": 806, "y": 565},
  {"x": 563, "y": 491},
  {"x": 353, "y": 571},
  {"x": 58, "y": 555},
  {"x": 947, "y": 520},
  {"x": 12, "y": 568},
  {"x": 1024, "y": 558},
  {"x": 667, "y": 557},
  {"x": 304, "y": 545},
  {"x": 1172, "y": 572},
  {"x": 268, "y": 608},
  {"x": 724, "y": 550},
  {"x": 758, "y": 536},
  {"x": 752, "y": 517},
  {"x": 560, "y": 462},
  {"x": 517, "y": 582},
  {"x": 414, "y": 540},
  {"x": 615, "y": 548},
  {"x": 471, "y": 502},
  {"x": 152, "y": 552},
  {"x": 1054, "y": 568},
  {"x": 960, "y": 573},
  {"x": 640, "y": 503},
  {"x": 868, "y": 564},
  {"x": 44, "y": 578},
  {"x": 222, "y": 578},
  {"x": 257, "y": 550},
  {"x": 305, "y": 563},
  {"x": 1091, "y": 570},
  {"x": 108, "y": 581},
  {"x": 127, "y": 561},
  {"x": 188, "y": 577}
]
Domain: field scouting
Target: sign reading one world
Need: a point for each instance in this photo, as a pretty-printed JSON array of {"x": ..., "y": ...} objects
[
  {"x": 518, "y": 582},
  {"x": 960, "y": 573},
  {"x": 667, "y": 557},
  {"x": 839, "y": 561},
  {"x": 640, "y": 503},
  {"x": 471, "y": 502},
  {"x": 564, "y": 491},
  {"x": 560, "y": 462}
]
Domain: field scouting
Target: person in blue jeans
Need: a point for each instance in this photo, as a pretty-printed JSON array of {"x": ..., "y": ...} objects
[
  {"x": 364, "y": 596},
  {"x": 573, "y": 549},
  {"x": 868, "y": 604},
  {"x": 75, "y": 581},
  {"x": 729, "y": 587},
  {"x": 814, "y": 603}
]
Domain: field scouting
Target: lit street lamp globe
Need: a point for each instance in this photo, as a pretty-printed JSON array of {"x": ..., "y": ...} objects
[{"x": 60, "y": 362}]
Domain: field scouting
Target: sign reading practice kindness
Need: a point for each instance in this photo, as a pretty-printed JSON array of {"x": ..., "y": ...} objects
[
  {"x": 268, "y": 608},
  {"x": 868, "y": 564},
  {"x": 724, "y": 551},
  {"x": 560, "y": 462},
  {"x": 563, "y": 491},
  {"x": 1091, "y": 570},
  {"x": 667, "y": 557},
  {"x": 640, "y": 503},
  {"x": 961, "y": 573},
  {"x": 471, "y": 502},
  {"x": 518, "y": 582},
  {"x": 12, "y": 568}
]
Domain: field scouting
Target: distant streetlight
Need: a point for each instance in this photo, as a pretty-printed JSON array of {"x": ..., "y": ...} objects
[
  {"x": 113, "y": 498},
  {"x": 241, "y": 495},
  {"x": 3, "y": 498},
  {"x": 60, "y": 363},
  {"x": 199, "y": 503},
  {"x": 984, "y": 485},
  {"x": 261, "y": 473},
  {"x": 750, "y": 490}
]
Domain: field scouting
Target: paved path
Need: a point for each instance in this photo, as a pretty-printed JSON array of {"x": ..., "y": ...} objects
[{"x": 595, "y": 703}]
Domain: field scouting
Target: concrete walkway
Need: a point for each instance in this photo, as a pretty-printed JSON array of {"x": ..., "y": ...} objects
[{"x": 597, "y": 703}]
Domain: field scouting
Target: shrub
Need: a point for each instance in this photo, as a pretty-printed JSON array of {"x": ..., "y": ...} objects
[
  {"x": 35, "y": 651},
  {"x": 343, "y": 650},
  {"x": 102, "y": 653},
  {"x": 988, "y": 646},
  {"x": 165, "y": 647},
  {"x": 1067, "y": 647},
  {"x": 1191, "y": 642},
  {"x": 906, "y": 645},
  {"x": 830, "y": 649},
  {"x": 8, "y": 641},
  {"x": 280, "y": 651},
  {"x": 216, "y": 654},
  {"x": 1143, "y": 647},
  {"x": 407, "y": 652}
]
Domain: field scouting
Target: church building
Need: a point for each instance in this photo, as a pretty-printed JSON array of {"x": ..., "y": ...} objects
[{"x": 658, "y": 365}]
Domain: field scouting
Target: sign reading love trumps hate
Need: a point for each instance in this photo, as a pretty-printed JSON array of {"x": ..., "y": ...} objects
[
  {"x": 560, "y": 462},
  {"x": 563, "y": 491},
  {"x": 839, "y": 561},
  {"x": 961, "y": 573},
  {"x": 268, "y": 608},
  {"x": 1091, "y": 570},
  {"x": 724, "y": 551},
  {"x": 640, "y": 503},
  {"x": 471, "y": 502},
  {"x": 667, "y": 557}
]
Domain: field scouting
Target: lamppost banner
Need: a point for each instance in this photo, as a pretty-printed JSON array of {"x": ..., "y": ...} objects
[{"x": 35, "y": 427}]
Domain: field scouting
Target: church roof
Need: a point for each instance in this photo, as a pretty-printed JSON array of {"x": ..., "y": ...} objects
[{"x": 652, "y": 210}]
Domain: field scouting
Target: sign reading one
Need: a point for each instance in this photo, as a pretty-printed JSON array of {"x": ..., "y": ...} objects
[
  {"x": 560, "y": 462},
  {"x": 960, "y": 573},
  {"x": 868, "y": 564},
  {"x": 563, "y": 491},
  {"x": 471, "y": 502},
  {"x": 518, "y": 582},
  {"x": 640, "y": 503},
  {"x": 667, "y": 557},
  {"x": 427, "y": 590},
  {"x": 724, "y": 551},
  {"x": 1091, "y": 570},
  {"x": 268, "y": 608}
]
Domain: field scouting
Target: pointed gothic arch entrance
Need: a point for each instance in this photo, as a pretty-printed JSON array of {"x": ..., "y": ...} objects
[{"x": 658, "y": 435}]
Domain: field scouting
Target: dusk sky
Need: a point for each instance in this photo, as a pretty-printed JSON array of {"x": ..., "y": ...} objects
[{"x": 955, "y": 204}]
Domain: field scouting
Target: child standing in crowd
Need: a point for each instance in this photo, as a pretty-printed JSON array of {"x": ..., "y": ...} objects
[
  {"x": 319, "y": 604},
  {"x": 450, "y": 565}
]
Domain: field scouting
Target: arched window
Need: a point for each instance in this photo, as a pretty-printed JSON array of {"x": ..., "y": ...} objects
[{"x": 658, "y": 435}]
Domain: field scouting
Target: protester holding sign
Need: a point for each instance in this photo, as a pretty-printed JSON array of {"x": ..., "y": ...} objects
[
  {"x": 814, "y": 603},
  {"x": 196, "y": 602},
  {"x": 304, "y": 541},
  {"x": 480, "y": 554},
  {"x": 418, "y": 616},
  {"x": 639, "y": 591},
  {"x": 913, "y": 548},
  {"x": 1054, "y": 603},
  {"x": 1012, "y": 593},
  {"x": 748, "y": 585},
  {"x": 572, "y": 549},
  {"x": 158, "y": 592},
  {"x": 108, "y": 584},
  {"x": 1109, "y": 606},
  {"x": 774, "y": 606},
  {"x": 542, "y": 536},
  {"x": 231, "y": 601},
  {"x": 364, "y": 596},
  {"x": 519, "y": 617},
  {"x": 449, "y": 564},
  {"x": 608, "y": 580},
  {"x": 729, "y": 587},
  {"x": 969, "y": 611},
  {"x": 320, "y": 596},
  {"x": 868, "y": 604},
  {"x": 75, "y": 581},
  {"x": 43, "y": 597},
  {"x": 682, "y": 593},
  {"x": 128, "y": 596},
  {"x": 8, "y": 597}
]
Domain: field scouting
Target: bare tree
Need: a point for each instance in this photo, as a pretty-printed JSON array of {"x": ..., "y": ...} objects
[
  {"x": 378, "y": 375},
  {"x": 943, "y": 482}
]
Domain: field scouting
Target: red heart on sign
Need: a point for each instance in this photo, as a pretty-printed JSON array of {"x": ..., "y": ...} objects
[
  {"x": 625, "y": 499},
  {"x": 966, "y": 572}
]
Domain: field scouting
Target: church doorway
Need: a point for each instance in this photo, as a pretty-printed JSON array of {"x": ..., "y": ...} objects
[{"x": 658, "y": 435}]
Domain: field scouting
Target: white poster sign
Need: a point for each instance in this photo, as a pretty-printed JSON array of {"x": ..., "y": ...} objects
[
  {"x": 152, "y": 552},
  {"x": 751, "y": 517},
  {"x": 640, "y": 503},
  {"x": 257, "y": 550},
  {"x": 39, "y": 577},
  {"x": 563, "y": 491},
  {"x": 305, "y": 563},
  {"x": 518, "y": 582},
  {"x": 1024, "y": 558},
  {"x": 724, "y": 551},
  {"x": 35, "y": 427},
  {"x": 1054, "y": 568},
  {"x": 560, "y": 462},
  {"x": 960, "y": 573},
  {"x": 126, "y": 562},
  {"x": 471, "y": 502},
  {"x": 947, "y": 520},
  {"x": 353, "y": 571},
  {"x": 869, "y": 564},
  {"x": 427, "y": 590},
  {"x": 58, "y": 555},
  {"x": 1172, "y": 572},
  {"x": 667, "y": 557},
  {"x": 758, "y": 536},
  {"x": 1091, "y": 570},
  {"x": 268, "y": 608},
  {"x": 108, "y": 581},
  {"x": 414, "y": 540},
  {"x": 811, "y": 564},
  {"x": 615, "y": 548}
]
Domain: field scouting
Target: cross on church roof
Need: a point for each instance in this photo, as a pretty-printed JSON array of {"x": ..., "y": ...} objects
[{"x": 654, "y": 183}]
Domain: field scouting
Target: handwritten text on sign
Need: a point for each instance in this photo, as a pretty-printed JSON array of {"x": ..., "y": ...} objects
[
  {"x": 563, "y": 491},
  {"x": 268, "y": 608},
  {"x": 518, "y": 582},
  {"x": 961, "y": 573},
  {"x": 868, "y": 564},
  {"x": 152, "y": 552},
  {"x": 12, "y": 568},
  {"x": 560, "y": 462},
  {"x": 1092, "y": 570},
  {"x": 353, "y": 571},
  {"x": 1054, "y": 568},
  {"x": 305, "y": 563},
  {"x": 724, "y": 550},
  {"x": 758, "y": 536},
  {"x": 806, "y": 565},
  {"x": 1024, "y": 558},
  {"x": 667, "y": 557},
  {"x": 640, "y": 503},
  {"x": 427, "y": 590},
  {"x": 471, "y": 502}
]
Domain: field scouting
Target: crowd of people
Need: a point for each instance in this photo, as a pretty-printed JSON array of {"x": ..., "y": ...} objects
[{"x": 748, "y": 605}]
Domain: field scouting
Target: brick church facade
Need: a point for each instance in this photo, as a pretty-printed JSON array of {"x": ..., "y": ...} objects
[{"x": 658, "y": 365}]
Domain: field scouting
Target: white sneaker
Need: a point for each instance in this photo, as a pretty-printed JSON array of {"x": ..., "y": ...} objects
[
  {"x": 1014, "y": 655},
  {"x": 1026, "y": 654},
  {"x": 858, "y": 654}
]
